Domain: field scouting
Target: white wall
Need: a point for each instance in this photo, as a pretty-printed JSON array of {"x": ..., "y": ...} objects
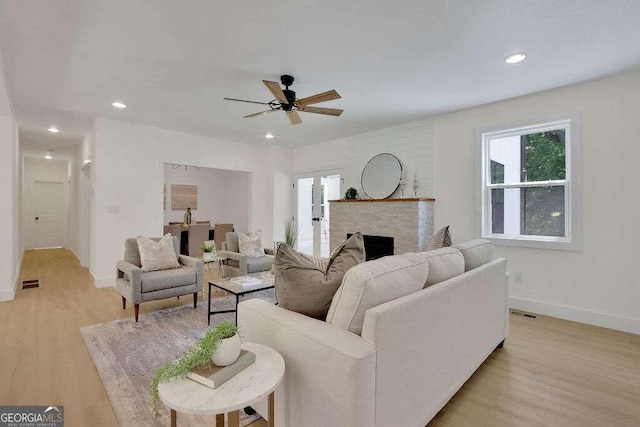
[
  {"x": 598, "y": 285},
  {"x": 411, "y": 143},
  {"x": 224, "y": 196},
  {"x": 11, "y": 249},
  {"x": 127, "y": 173}
]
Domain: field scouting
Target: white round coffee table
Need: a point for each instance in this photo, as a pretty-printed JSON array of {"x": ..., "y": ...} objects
[{"x": 246, "y": 388}]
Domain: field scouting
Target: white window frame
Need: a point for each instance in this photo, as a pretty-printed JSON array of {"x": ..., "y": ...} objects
[{"x": 572, "y": 183}]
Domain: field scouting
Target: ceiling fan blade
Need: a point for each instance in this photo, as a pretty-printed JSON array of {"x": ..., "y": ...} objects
[
  {"x": 319, "y": 110},
  {"x": 321, "y": 97},
  {"x": 294, "y": 117},
  {"x": 259, "y": 114},
  {"x": 244, "y": 100},
  {"x": 275, "y": 89}
]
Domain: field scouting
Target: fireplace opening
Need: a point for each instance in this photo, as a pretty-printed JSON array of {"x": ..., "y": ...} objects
[{"x": 376, "y": 246}]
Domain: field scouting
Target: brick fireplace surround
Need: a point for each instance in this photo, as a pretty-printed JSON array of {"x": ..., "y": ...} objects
[{"x": 408, "y": 220}]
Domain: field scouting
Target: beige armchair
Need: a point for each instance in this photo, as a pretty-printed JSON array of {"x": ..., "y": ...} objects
[
  {"x": 138, "y": 286},
  {"x": 241, "y": 265}
]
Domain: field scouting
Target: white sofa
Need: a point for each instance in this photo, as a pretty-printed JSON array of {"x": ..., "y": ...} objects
[{"x": 414, "y": 353}]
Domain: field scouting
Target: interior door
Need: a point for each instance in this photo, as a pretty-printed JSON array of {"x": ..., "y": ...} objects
[
  {"x": 49, "y": 215},
  {"x": 313, "y": 193}
]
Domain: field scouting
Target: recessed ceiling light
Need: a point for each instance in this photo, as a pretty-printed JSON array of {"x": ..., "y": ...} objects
[
  {"x": 53, "y": 129},
  {"x": 269, "y": 135},
  {"x": 515, "y": 58},
  {"x": 49, "y": 155},
  {"x": 119, "y": 105}
]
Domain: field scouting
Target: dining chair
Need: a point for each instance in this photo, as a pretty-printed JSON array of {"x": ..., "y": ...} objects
[
  {"x": 220, "y": 233},
  {"x": 175, "y": 230},
  {"x": 198, "y": 234}
]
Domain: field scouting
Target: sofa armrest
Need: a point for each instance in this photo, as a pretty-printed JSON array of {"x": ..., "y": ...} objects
[
  {"x": 330, "y": 372},
  {"x": 129, "y": 281},
  {"x": 196, "y": 263},
  {"x": 133, "y": 272}
]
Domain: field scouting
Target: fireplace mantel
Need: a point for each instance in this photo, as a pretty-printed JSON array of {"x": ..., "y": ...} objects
[
  {"x": 409, "y": 221},
  {"x": 398, "y": 200}
]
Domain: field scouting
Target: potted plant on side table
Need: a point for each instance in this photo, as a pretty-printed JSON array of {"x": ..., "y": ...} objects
[
  {"x": 220, "y": 345},
  {"x": 209, "y": 251}
]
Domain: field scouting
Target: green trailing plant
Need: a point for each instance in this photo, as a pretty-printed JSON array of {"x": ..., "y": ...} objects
[
  {"x": 197, "y": 355},
  {"x": 290, "y": 233},
  {"x": 208, "y": 248},
  {"x": 351, "y": 193}
]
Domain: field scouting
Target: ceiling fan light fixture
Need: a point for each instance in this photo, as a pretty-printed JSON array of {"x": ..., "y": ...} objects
[
  {"x": 119, "y": 105},
  {"x": 53, "y": 129},
  {"x": 269, "y": 135},
  {"x": 515, "y": 58}
]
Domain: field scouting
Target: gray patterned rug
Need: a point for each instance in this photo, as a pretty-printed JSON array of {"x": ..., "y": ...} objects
[{"x": 127, "y": 355}]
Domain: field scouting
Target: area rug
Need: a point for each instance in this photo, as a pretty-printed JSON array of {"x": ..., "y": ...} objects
[{"x": 127, "y": 355}]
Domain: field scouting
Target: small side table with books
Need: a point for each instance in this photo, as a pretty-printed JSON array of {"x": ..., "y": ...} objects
[
  {"x": 247, "y": 387},
  {"x": 238, "y": 286}
]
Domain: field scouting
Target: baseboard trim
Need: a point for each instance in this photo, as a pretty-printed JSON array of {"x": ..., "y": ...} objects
[
  {"x": 605, "y": 320},
  {"x": 7, "y": 295},
  {"x": 104, "y": 282}
]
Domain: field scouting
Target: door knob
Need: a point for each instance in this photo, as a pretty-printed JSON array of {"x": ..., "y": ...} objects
[{"x": 37, "y": 218}]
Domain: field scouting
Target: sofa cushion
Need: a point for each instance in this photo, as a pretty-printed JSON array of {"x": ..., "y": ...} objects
[
  {"x": 166, "y": 279},
  {"x": 262, "y": 263},
  {"x": 304, "y": 287},
  {"x": 232, "y": 242},
  {"x": 441, "y": 239},
  {"x": 157, "y": 255},
  {"x": 373, "y": 283},
  {"x": 475, "y": 252},
  {"x": 444, "y": 264},
  {"x": 251, "y": 244}
]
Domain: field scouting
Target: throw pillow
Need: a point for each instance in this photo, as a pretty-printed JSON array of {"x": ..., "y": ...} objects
[
  {"x": 444, "y": 263},
  {"x": 373, "y": 283},
  {"x": 441, "y": 239},
  {"x": 159, "y": 255},
  {"x": 251, "y": 244},
  {"x": 303, "y": 286},
  {"x": 475, "y": 252}
]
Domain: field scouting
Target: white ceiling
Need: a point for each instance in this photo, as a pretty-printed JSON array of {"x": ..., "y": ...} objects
[{"x": 172, "y": 62}]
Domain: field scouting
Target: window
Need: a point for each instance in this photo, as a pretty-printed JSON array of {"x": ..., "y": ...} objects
[{"x": 528, "y": 194}]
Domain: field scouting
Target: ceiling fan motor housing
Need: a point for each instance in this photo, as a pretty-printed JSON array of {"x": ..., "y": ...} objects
[{"x": 291, "y": 97}]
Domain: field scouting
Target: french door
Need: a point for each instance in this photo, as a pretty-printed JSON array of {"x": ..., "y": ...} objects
[{"x": 312, "y": 195}]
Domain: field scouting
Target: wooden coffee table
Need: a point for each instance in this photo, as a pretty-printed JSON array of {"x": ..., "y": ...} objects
[
  {"x": 245, "y": 389},
  {"x": 229, "y": 286}
]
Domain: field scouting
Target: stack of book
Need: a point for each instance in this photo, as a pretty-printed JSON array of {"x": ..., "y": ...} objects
[
  {"x": 247, "y": 282},
  {"x": 214, "y": 376}
]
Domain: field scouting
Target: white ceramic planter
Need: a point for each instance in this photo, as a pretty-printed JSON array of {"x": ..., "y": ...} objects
[
  {"x": 227, "y": 351},
  {"x": 208, "y": 256}
]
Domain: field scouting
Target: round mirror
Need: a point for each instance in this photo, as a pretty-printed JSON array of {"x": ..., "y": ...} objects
[{"x": 381, "y": 176}]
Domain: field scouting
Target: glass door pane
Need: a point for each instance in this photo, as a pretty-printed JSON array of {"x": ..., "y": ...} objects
[
  {"x": 304, "y": 215},
  {"x": 313, "y": 194},
  {"x": 330, "y": 191}
]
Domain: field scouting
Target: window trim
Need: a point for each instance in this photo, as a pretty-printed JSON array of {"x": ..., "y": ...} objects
[{"x": 572, "y": 183}]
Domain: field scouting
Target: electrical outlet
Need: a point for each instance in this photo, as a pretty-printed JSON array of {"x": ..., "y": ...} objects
[{"x": 517, "y": 277}]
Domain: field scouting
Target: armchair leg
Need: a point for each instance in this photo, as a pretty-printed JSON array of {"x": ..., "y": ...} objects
[
  {"x": 136, "y": 309},
  {"x": 195, "y": 300},
  {"x": 124, "y": 303}
]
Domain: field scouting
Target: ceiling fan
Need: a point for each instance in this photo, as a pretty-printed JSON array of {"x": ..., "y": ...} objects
[{"x": 285, "y": 100}]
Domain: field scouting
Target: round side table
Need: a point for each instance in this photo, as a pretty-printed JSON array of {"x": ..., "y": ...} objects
[{"x": 246, "y": 388}]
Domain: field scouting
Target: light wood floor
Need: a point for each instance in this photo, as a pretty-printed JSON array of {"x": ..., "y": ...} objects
[{"x": 550, "y": 373}]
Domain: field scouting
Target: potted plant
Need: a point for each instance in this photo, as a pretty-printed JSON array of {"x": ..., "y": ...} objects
[
  {"x": 351, "y": 194},
  {"x": 226, "y": 336},
  {"x": 209, "y": 249},
  {"x": 290, "y": 233}
]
